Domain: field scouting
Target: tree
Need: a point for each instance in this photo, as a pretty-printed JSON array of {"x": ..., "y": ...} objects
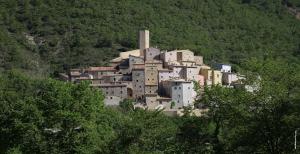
[{"x": 49, "y": 116}]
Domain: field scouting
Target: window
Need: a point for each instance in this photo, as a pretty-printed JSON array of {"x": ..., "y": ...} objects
[
  {"x": 161, "y": 76},
  {"x": 189, "y": 88},
  {"x": 160, "y": 102},
  {"x": 121, "y": 92},
  {"x": 140, "y": 86},
  {"x": 179, "y": 87},
  {"x": 137, "y": 80},
  {"x": 148, "y": 79},
  {"x": 175, "y": 88},
  {"x": 178, "y": 96},
  {"x": 111, "y": 97},
  {"x": 150, "y": 91}
]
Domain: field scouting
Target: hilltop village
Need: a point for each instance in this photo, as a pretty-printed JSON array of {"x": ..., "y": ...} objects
[{"x": 154, "y": 79}]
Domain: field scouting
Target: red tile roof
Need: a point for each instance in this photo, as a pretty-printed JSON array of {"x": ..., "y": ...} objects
[{"x": 138, "y": 66}]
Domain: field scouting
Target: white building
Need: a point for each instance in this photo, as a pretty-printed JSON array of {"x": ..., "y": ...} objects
[{"x": 224, "y": 68}]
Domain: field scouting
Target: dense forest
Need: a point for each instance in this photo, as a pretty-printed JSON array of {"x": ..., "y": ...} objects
[
  {"x": 39, "y": 38},
  {"x": 48, "y": 36}
]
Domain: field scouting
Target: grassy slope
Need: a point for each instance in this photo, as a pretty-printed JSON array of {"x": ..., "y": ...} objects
[{"x": 89, "y": 32}]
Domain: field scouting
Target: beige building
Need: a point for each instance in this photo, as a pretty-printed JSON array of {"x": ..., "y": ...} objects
[
  {"x": 138, "y": 81},
  {"x": 154, "y": 79},
  {"x": 144, "y": 41}
]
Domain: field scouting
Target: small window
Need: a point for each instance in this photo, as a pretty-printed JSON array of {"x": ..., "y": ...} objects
[
  {"x": 137, "y": 80},
  {"x": 161, "y": 76},
  {"x": 179, "y": 87},
  {"x": 140, "y": 86},
  {"x": 150, "y": 91},
  {"x": 121, "y": 92},
  {"x": 178, "y": 96},
  {"x": 175, "y": 88},
  {"x": 160, "y": 102},
  {"x": 189, "y": 88},
  {"x": 111, "y": 97},
  {"x": 148, "y": 79}
]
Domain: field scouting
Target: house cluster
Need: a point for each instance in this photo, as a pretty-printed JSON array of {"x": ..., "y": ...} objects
[{"x": 153, "y": 78}]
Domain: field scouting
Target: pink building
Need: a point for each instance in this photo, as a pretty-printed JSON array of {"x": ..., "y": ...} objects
[{"x": 200, "y": 79}]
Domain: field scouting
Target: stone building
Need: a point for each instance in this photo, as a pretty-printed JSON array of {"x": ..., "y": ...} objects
[
  {"x": 154, "y": 79},
  {"x": 152, "y": 54},
  {"x": 138, "y": 81},
  {"x": 114, "y": 93},
  {"x": 181, "y": 92}
]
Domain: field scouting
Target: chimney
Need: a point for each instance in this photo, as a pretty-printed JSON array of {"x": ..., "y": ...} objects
[{"x": 144, "y": 40}]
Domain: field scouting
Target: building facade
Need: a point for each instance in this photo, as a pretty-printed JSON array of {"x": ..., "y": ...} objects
[{"x": 153, "y": 78}]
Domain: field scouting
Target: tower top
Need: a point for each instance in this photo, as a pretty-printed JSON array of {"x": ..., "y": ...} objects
[{"x": 144, "y": 40}]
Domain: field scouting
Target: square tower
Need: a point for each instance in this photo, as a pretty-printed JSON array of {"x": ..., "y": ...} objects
[{"x": 144, "y": 40}]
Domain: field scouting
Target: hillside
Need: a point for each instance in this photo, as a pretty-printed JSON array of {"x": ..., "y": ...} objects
[{"x": 48, "y": 36}]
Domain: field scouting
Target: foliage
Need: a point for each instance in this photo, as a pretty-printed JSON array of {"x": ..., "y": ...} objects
[
  {"x": 77, "y": 33},
  {"x": 262, "y": 121},
  {"x": 48, "y": 116}
]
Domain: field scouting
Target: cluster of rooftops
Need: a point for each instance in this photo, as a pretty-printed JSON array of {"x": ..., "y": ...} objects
[{"x": 154, "y": 79}]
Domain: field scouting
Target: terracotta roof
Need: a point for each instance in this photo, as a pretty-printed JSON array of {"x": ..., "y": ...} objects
[
  {"x": 102, "y": 68},
  {"x": 138, "y": 66}
]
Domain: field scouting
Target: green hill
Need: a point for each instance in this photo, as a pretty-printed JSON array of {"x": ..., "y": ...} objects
[{"x": 47, "y": 36}]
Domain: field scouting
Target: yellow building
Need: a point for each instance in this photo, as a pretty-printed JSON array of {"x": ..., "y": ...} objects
[
  {"x": 207, "y": 73},
  {"x": 216, "y": 77},
  {"x": 211, "y": 77}
]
